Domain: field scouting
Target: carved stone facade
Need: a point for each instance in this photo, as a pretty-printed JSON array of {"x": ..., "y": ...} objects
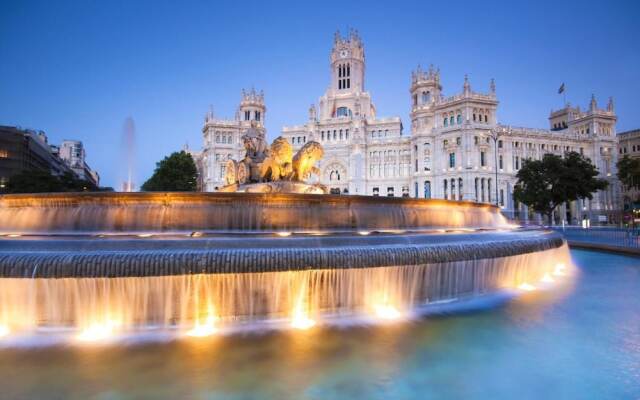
[
  {"x": 629, "y": 146},
  {"x": 450, "y": 151}
]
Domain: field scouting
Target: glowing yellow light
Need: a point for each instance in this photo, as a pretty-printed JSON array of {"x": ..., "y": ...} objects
[
  {"x": 4, "y": 331},
  {"x": 559, "y": 270},
  {"x": 300, "y": 317},
  {"x": 145, "y": 235},
  {"x": 526, "y": 287},
  {"x": 302, "y": 321},
  {"x": 363, "y": 233},
  {"x": 283, "y": 234},
  {"x": 386, "y": 311},
  {"x": 97, "y": 332},
  {"x": 207, "y": 328},
  {"x": 547, "y": 278}
]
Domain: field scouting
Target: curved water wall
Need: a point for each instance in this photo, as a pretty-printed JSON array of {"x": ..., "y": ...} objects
[
  {"x": 98, "y": 263},
  {"x": 179, "y": 301},
  {"x": 163, "y": 212}
]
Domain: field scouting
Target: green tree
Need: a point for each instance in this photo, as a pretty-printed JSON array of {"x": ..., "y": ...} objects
[
  {"x": 176, "y": 172},
  {"x": 629, "y": 172},
  {"x": 34, "y": 181},
  {"x": 545, "y": 184},
  {"x": 39, "y": 181}
]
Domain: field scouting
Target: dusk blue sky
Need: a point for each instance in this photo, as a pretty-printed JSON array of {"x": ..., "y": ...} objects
[{"x": 77, "y": 69}]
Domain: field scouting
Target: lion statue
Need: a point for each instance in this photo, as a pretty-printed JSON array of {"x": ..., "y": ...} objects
[
  {"x": 305, "y": 159},
  {"x": 231, "y": 172},
  {"x": 277, "y": 164}
]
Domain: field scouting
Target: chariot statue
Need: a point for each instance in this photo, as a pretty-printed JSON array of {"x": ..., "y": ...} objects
[{"x": 274, "y": 168}]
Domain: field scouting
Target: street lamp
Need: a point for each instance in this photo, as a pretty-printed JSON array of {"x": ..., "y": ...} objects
[{"x": 495, "y": 135}]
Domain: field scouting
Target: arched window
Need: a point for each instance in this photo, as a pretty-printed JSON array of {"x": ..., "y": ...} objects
[
  {"x": 322, "y": 135},
  {"x": 427, "y": 189},
  {"x": 451, "y": 120},
  {"x": 445, "y": 183},
  {"x": 459, "y": 119},
  {"x": 426, "y": 97},
  {"x": 459, "y": 188},
  {"x": 334, "y": 173},
  {"x": 343, "y": 112},
  {"x": 445, "y": 122}
]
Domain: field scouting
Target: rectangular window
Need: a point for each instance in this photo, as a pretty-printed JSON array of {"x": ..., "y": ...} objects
[
  {"x": 376, "y": 191},
  {"x": 482, "y": 159},
  {"x": 452, "y": 160}
]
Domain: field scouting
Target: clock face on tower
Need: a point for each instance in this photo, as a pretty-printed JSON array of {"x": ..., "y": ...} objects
[{"x": 344, "y": 53}]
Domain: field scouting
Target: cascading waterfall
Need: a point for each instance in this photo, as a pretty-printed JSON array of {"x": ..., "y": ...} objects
[
  {"x": 106, "y": 263},
  {"x": 239, "y": 212},
  {"x": 184, "y": 301}
]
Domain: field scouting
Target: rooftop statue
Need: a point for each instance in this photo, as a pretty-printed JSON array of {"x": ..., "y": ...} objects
[{"x": 273, "y": 168}]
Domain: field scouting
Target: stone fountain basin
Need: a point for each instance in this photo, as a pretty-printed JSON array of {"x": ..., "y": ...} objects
[{"x": 43, "y": 256}]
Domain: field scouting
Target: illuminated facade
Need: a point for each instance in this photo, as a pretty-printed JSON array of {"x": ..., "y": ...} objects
[{"x": 450, "y": 151}]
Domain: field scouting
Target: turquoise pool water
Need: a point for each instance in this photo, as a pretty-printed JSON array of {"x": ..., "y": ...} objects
[{"x": 580, "y": 342}]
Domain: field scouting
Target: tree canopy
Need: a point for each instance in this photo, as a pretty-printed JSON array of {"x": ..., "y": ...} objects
[
  {"x": 39, "y": 181},
  {"x": 545, "y": 184},
  {"x": 629, "y": 172},
  {"x": 176, "y": 172}
]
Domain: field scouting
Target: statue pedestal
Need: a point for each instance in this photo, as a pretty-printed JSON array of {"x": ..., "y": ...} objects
[{"x": 276, "y": 187}]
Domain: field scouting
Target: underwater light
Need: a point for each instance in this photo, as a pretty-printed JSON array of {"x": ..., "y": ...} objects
[
  {"x": 4, "y": 331},
  {"x": 386, "y": 311},
  {"x": 547, "y": 278},
  {"x": 97, "y": 332},
  {"x": 302, "y": 322},
  {"x": 560, "y": 269},
  {"x": 202, "y": 330},
  {"x": 526, "y": 287}
]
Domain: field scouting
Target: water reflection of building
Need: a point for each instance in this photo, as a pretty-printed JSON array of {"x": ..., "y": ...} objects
[{"x": 449, "y": 152}]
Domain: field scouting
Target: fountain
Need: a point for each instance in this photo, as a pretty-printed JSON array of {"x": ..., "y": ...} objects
[{"x": 267, "y": 250}]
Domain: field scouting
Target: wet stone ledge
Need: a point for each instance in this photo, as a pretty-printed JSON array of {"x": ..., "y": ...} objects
[{"x": 138, "y": 263}]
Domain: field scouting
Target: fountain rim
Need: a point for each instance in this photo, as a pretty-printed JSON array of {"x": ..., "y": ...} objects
[
  {"x": 150, "y": 263},
  {"x": 178, "y": 196}
]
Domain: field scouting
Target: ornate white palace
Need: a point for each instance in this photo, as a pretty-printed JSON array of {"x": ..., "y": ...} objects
[{"x": 456, "y": 149}]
